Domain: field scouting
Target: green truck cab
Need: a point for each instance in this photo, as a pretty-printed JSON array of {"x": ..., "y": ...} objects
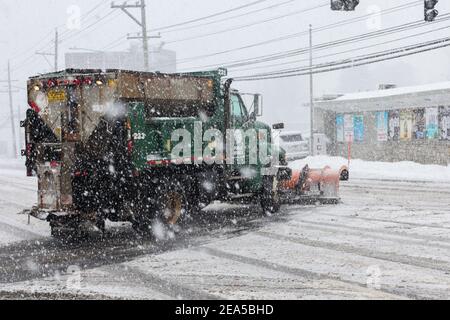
[{"x": 145, "y": 147}]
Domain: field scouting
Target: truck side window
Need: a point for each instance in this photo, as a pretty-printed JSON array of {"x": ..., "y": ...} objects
[{"x": 238, "y": 109}]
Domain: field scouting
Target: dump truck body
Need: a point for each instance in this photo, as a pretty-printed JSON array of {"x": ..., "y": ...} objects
[{"x": 106, "y": 145}]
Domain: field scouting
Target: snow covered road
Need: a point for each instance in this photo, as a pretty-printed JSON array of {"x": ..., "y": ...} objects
[{"x": 389, "y": 239}]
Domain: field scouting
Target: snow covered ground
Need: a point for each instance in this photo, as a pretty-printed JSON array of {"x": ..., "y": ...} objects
[
  {"x": 388, "y": 239},
  {"x": 359, "y": 169},
  {"x": 17, "y": 192}
]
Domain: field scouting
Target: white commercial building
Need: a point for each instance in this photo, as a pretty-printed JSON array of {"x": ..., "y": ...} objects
[{"x": 394, "y": 124}]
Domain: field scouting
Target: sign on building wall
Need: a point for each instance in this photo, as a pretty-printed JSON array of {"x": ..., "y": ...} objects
[
  {"x": 394, "y": 125},
  {"x": 406, "y": 125},
  {"x": 382, "y": 125},
  {"x": 340, "y": 128},
  {"x": 348, "y": 128},
  {"x": 432, "y": 123},
  {"x": 419, "y": 127},
  {"x": 445, "y": 122},
  {"x": 358, "y": 124}
]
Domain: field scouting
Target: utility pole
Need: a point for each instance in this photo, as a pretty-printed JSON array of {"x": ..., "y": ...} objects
[
  {"x": 56, "y": 50},
  {"x": 144, "y": 35},
  {"x": 311, "y": 89},
  {"x": 55, "y": 54},
  {"x": 142, "y": 23},
  {"x": 11, "y": 109}
]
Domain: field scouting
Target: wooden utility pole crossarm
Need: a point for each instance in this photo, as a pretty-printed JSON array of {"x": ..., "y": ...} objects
[
  {"x": 54, "y": 54},
  {"x": 142, "y": 23}
]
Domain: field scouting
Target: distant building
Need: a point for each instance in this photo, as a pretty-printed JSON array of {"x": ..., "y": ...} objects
[
  {"x": 393, "y": 124},
  {"x": 159, "y": 60}
]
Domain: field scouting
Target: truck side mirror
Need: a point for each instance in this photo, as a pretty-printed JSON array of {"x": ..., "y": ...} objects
[
  {"x": 278, "y": 126},
  {"x": 258, "y": 105}
]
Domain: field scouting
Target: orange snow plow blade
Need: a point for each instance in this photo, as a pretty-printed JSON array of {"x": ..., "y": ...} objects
[{"x": 312, "y": 185}]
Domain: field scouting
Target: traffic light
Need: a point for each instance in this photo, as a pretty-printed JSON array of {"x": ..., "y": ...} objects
[
  {"x": 344, "y": 5},
  {"x": 430, "y": 12}
]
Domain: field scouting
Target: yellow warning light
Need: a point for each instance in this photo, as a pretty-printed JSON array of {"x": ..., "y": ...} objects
[
  {"x": 37, "y": 88},
  {"x": 112, "y": 83},
  {"x": 99, "y": 82}
]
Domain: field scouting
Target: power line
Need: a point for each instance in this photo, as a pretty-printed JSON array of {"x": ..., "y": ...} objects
[
  {"x": 208, "y": 16},
  {"x": 50, "y": 43},
  {"x": 79, "y": 32},
  {"x": 248, "y": 25},
  {"x": 342, "y": 52},
  {"x": 345, "y": 41},
  {"x": 85, "y": 17},
  {"x": 234, "y": 28},
  {"x": 142, "y": 22},
  {"x": 116, "y": 43},
  {"x": 230, "y": 18},
  {"x": 350, "y": 63},
  {"x": 352, "y": 60},
  {"x": 294, "y": 35}
]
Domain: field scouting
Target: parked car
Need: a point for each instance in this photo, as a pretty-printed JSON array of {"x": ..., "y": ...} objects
[{"x": 295, "y": 146}]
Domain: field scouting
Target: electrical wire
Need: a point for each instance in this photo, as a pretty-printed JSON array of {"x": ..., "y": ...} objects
[
  {"x": 248, "y": 25},
  {"x": 345, "y": 41},
  {"x": 208, "y": 16},
  {"x": 350, "y": 63}
]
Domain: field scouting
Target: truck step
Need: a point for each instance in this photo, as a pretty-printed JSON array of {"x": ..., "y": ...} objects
[{"x": 241, "y": 196}]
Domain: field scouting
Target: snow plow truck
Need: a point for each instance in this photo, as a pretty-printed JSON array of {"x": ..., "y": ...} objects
[{"x": 139, "y": 147}]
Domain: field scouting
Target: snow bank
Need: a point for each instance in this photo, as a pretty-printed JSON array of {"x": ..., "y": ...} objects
[
  {"x": 359, "y": 169},
  {"x": 11, "y": 163}
]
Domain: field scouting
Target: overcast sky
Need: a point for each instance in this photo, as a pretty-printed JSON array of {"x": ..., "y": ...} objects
[{"x": 27, "y": 26}]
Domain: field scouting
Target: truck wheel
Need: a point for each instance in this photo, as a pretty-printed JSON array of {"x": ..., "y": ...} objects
[
  {"x": 270, "y": 198},
  {"x": 177, "y": 203},
  {"x": 172, "y": 205}
]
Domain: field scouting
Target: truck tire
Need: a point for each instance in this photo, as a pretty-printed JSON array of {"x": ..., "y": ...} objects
[
  {"x": 270, "y": 197},
  {"x": 172, "y": 204},
  {"x": 168, "y": 207}
]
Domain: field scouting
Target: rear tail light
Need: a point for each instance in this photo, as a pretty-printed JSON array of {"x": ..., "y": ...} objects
[
  {"x": 34, "y": 106},
  {"x": 130, "y": 143},
  {"x": 130, "y": 146}
]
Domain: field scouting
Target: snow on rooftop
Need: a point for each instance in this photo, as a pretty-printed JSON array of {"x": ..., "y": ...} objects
[
  {"x": 395, "y": 91},
  {"x": 423, "y": 96}
]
